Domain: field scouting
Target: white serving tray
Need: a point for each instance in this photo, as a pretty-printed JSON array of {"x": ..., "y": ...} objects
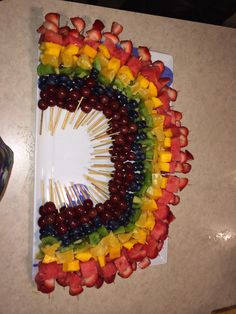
[{"x": 65, "y": 157}]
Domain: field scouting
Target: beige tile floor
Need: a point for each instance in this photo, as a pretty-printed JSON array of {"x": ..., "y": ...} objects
[{"x": 200, "y": 274}]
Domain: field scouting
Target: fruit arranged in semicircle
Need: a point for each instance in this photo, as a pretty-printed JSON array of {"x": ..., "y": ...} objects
[{"x": 86, "y": 245}]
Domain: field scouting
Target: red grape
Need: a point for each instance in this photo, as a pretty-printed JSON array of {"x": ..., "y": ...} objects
[
  {"x": 88, "y": 204},
  {"x": 99, "y": 207}
]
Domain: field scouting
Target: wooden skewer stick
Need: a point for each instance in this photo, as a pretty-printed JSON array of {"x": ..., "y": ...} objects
[
  {"x": 105, "y": 135},
  {"x": 68, "y": 196},
  {"x": 89, "y": 115},
  {"x": 58, "y": 194},
  {"x": 102, "y": 166},
  {"x": 92, "y": 196},
  {"x": 51, "y": 190},
  {"x": 66, "y": 119},
  {"x": 56, "y": 120},
  {"x": 41, "y": 123},
  {"x": 101, "y": 157},
  {"x": 77, "y": 108},
  {"x": 97, "y": 122},
  {"x": 82, "y": 191},
  {"x": 42, "y": 191},
  {"x": 101, "y": 126},
  {"x": 101, "y": 134},
  {"x": 91, "y": 119},
  {"x": 100, "y": 196},
  {"x": 95, "y": 180},
  {"x": 72, "y": 193},
  {"x": 101, "y": 151},
  {"x": 81, "y": 116},
  {"x": 100, "y": 173},
  {"x": 62, "y": 193},
  {"x": 103, "y": 143},
  {"x": 50, "y": 127},
  {"x": 104, "y": 192},
  {"x": 56, "y": 201}
]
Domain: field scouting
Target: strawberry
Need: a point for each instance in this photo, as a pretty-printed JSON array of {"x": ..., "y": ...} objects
[
  {"x": 182, "y": 183},
  {"x": 64, "y": 31},
  {"x": 178, "y": 115},
  {"x": 112, "y": 37},
  {"x": 134, "y": 64},
  {"x": 186, "y": 167},
  {"x": 175, "y": 200},
  {"x": 176, "y": 166},
  {"x": 150, "y": 73},
  {"x": 164, "y": 98},
  {"x": 75, "y": 284},
  {"x": 47, "y": 286},
  {"x": 151, "y": 247},
  {"x": 53, "y": 18},
  {"x": 184, "y": 130},
  {"x": 144, "y": 53},
  {"x": 144, "y": 263},
  {"x": 173, "y": 184},
  {"x": 127, "y": 46},
  {"x": 120, "y": 54},
  {"x": 163, "y": 81},
  {"x": 170, "y": 217},
  {"x": 165, "y": 198},
  {"x": 171, "y": 92},
  {"x": 74, "y": 33},
  {"x": 50, "y": 26},
  {"x": 160, "y": 65},
  {"x": 89, "y": 272},
  {"x": 183, "y": 157},
  {"x": 91, "y": 43},
  {"x": 183, "y": 140},
  {"x": 116, "y": 28},
  {"x": 108, "y": 272},
  {"x": 99, "y": 282},
  {"x": 50, "y": 270},
  {"x": 52, "y": 37},
  {"x": 98, "y": 25},
  {"x": 109, "y": 45},
  {"x": 160, "y": 231},
  {"x": 137, "y": 253},
  {"x": 78, "y": 23},
  {"x": 94, "y": 34},
  {"x": 41, "y": 30},
  {"x": 69, "y": 39},
  {"x": 162, "y": 212},
  {"x": 189, "y": 155},
  {"x": 134, "y": 265},
  {"x": 123, "y": 266}
]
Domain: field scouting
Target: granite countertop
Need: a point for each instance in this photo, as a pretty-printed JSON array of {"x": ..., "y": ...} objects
[{"x": 200, "y": 274}]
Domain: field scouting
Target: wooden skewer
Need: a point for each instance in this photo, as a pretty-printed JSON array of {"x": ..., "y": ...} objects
[
  {"x": 58, "y": 194},
  {"x": 100, "y": 196},
  {"x": 41, "y": 123},
  {"x": 95, "y": 180},
  {"x": 105, "y": 135},
  {"x": 102, "y": 165},
  {"x": 100, "y": 126},
  {"x": 50, "y": 127},
  {"x": 101, "y": 134},
  {"x": 72, "y": 192},
  {"x": 101, "y": 157},
  {"x": 68, "y": 196},
  {"x": 82, "y": 191},
  {"x": 56, "y": 201},
  {"x": 100, "y": 173},
  {"x": 89, "y": 115},
  {"x": 42, "y": 191},
  {"x": 81, "y": 116},
  {"x": 77, "y": 108},
  {"x": 101, "y": 151},
  {"x": 56, "y": 120},
  {"x": 103, "y": 143},
  {"x": 51, "y": 190},
  {"x": 91, "y": 119},
  {"x": 97, "y": 122},
  {"x": 92, "y": 196},
  {"x": 105, "y": 193},
  {"x": 67, "y": 116},
  {"x": 62, "y": 193}
]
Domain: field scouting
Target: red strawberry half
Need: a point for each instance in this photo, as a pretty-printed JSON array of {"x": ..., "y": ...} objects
[
  {"x": 123, "y": 266},
  {"x": 112, "y": 37},
  {"x": 78, "y": 23},
  {"x": 50, "y": 26},
  {"x": 64, "y": 31},
  {"x": 53, "y": 18},
  {"x": 94, "y": 34},
  {"x": 144, "y": 53},
  {"x": 116, "y": 28},
  {"x": 89, "y": 273},
  {"x": 127, "y": 46},
  {"x": 98, "y": 25}
]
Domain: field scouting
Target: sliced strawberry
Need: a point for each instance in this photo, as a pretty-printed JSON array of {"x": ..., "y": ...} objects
[
  {"x": 150, "y": 73},
  {"x": 170, "y": 217},
  {"x": 47, "y": 286},
  {"x": 178, "y": 115},
  {"x": 98, "y": 25},
  {"x": 78, "y": 23},
  {"x": 176, "y": 166},
  {"x": 74, "y": 33},
  {"x": 173, "y": 184},
  {"x": 120, "y": 54},
  {"x": 94, "y": 34},
  {"x": 99, "y": 282},
  {"x": 108, "y": 271},
  {"x": 160, "y": 65},
  {"x": 50, "y": 270},
  {"x": 91, "y": 43},
  {"x": 165, "y": 198},
  {"x": 167, "y": 121},
  {"x": 183, "y": 140},
  {"x": 127, "y": 46},
  {"x": 137, "y": 253},
  {"x": 164, "y": 81},
  {"x": 162, "y": 212},
  {"x": 116, "y": 28},
  {"x": 175, "y": 200},
  {"x": 53, "y": 18},
  {"x": 182, "y": 183},
  {"x": 64, "y": 31},
  {"x": 41, "y": 30},
  {"x": 109, "y": 45},
  {"x": 183, "y": 157},
  {"x": 52, "y": 37},
  {"x": 123, "y": 266},
  {"x": 75, "y": 284},
  {"x": 134, "y": 64},
  {"x": 89, "y": 272},
  {"x": 69, "y": 39},
  {"x": 151, "y": 247},
  {"x": 134, "y": 265},
  {"x": 50, "y": 26},
  {"x": 189, "y": 155},
  {"x": 171, "y": 92},
  {"x": 112, "y": 37},
  {"x": 144, "y": 263},
  {"x": 160, "y": 231},
  {"x": 164, "y": 98},
  {"x": 186, "y": 167},
  {"x": 144, "y": 53}
]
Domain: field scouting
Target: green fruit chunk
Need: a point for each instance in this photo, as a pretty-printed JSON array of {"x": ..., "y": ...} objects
[
  {"x": 129, "y": 227},
  {"x": 94, "y": 238},
  {"x": 66, "y": 71},
  {"x": 102, "y": 231},
  {"x": 119, "y": 84},
  {"x": 137, "y": 200},
  {"x": 44, "y": 69},
  {"x": 79, "y": 246},
  {"x": 97, "y": 64},
  {"x": 136, "y": 215},
  {"x": 48, "y": 241},
  {"x": 81, "y": 72},
  {"x": 148, "y": 142},
  {"x": 102, "y": 79},
  {"x": 143, "y": 190},
  {"x": 149, "y": 154},
  {"x": 121, "y": 229},
  {"x": 148, "y": 165}
]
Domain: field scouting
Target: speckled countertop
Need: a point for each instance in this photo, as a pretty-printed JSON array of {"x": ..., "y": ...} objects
[{"x": 201, "y": 271}]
